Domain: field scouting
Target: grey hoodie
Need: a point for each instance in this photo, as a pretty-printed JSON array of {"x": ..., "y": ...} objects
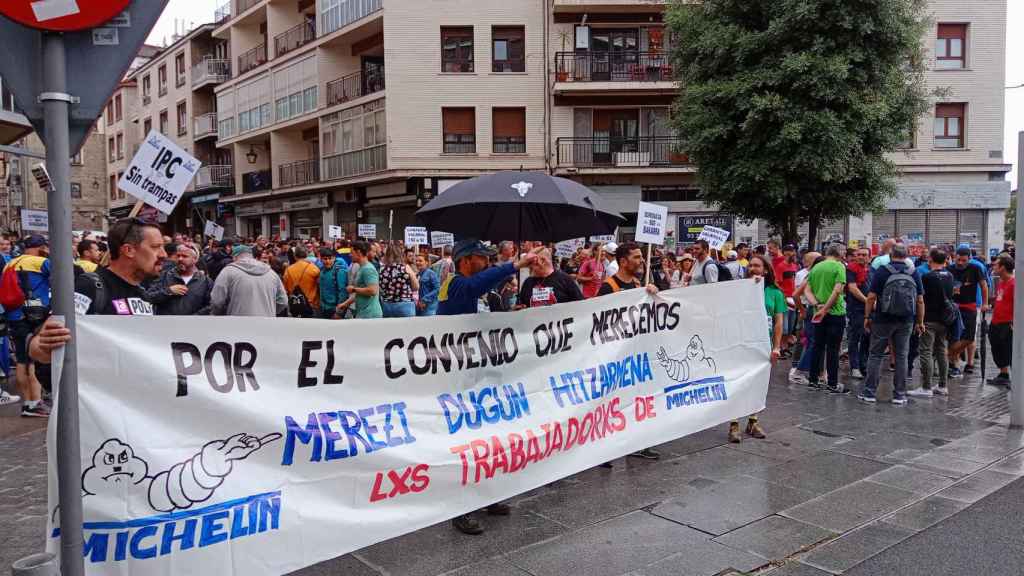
[{"x": 248, "y": 287}]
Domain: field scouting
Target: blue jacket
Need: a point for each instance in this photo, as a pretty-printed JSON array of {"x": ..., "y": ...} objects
[
  {"x": 430, "y": 286},
  {"x": 460, "y": 294},
  {"x": 38, "y": 270},
  {"x": 332, "y": 285}
]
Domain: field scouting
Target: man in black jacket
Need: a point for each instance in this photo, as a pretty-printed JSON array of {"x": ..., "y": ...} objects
[
  {"x": 182, "y": 290},
  {"x": 218, "y": 258}
]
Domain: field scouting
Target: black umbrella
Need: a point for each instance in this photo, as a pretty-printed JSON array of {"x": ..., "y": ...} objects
[{"x": 519, "y": 206}]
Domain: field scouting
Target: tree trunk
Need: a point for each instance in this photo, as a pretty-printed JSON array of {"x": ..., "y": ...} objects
[
  {"x": 812, "y": 231},
  {"x": 791, "y": 230}
]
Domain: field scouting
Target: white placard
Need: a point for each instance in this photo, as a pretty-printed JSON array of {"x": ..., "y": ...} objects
[
  {"x": 568, "y": 248},
  {"x": 247, "y": 446},
  {"x": 368, "y": 231},
  {"x": 335, "y": 232},
  {"x": 715, "y": 237},
  {"x": 442, "y": 239},
  {"x": 651, "y": 220},
  {"x": 416, "y": 236},
  {"x": 214, "y": 230},
  {"x": 603, "y": 239},
  {"x": 35, "y": 220},
  {"x": 159, "y": 173}
]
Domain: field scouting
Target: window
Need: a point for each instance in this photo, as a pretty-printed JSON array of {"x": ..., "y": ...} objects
[
  {"x": 120, "y": 193},
  {"x": 507, "y": 49},
  {"x": 76, "y": 190},
  {"x": 120, "y": 146},
  {"x": 163, "y": 122},
  {"x": 113, "y": 186},
  {"x": 111, "y": 148},
  {"x": 949, "y": 125},
  {"x": 147, "y": 127},
  {"x": 179, "y": 69},
  {"x": 110, "y": 113},
  {"x": 182, "y": 119},
  {"x": 457, "y": 49},
  {"x": 77, "y": 159},
  {"x": 117, "y": 108},
  {"x": 459, "y": 125},
  {"x": 161, "y": 80},
  {"x": 509, "y": 127},
  {"x": 147, "y": 89},
  {"x": 951, "y": 47}
]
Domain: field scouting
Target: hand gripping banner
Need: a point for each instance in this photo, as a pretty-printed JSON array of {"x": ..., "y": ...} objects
[{"x": 260, "y": 446}]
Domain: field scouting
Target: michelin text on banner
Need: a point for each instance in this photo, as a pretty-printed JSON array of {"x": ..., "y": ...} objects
[{"x": 259, "y": 446}]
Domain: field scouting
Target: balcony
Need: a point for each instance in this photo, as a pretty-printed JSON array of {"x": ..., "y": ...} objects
[
  {"x": 355, "y": 85},
  {"x": 215, "y": 176},
  {"x": 204, "y": 126},
  {"x": 295, "y": 37},
  {"x": 612, "y": 6},
  {"x": 210, "y": 71},
  {"x": 625, "y": 66},
  {"x": 252, "y": 58},
  {"x": 647, "y": 152},
  {"x": 244, "y": 5},
  {"x": 298, "y": 173},
  {"x": 222, "y": 13},
  {"x": 346, "y": 12},
  {"x": 257, "y": 181},
  {"x": 356, "y": 163}
]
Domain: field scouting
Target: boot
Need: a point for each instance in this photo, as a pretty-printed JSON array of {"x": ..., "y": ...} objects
[
  {"x": 467, "y": 524},
  {"x": 754, "y": 429},
  {"x": 734, "y": 433},
  {"x": 499, "y": 509}
]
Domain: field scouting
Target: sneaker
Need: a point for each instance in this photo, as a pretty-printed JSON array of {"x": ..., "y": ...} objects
[
  {"x": 467, "y": 525},
  {"x": 6, "y": 398},
  {"x": 941, "y": 391},
  {"x": 35, "y": 412},
  {"x": 734, "y": 433},
  {"x": 44, "y": 407},
  {"x": 920, "y": 393},
  {"x": 856, "y": 374},
  {"x": 840, "y": 389},
  {"x": 646, "y": 454},
  {"x": 899, "y": 401},
  {"x": 499, "y": 509},
  {"x": 866, "y": 399},
  {"x": 1000, "y": 380},
  {"x": 797, "y": 377},
  {"x": 955, "y": 373},
  {"x": 968, "y": 369}
]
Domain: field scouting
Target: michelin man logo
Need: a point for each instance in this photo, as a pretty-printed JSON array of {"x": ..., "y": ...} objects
[
  {"x": 692, "y": 364},
  {"x": 117, "y": 471},
  {"x": 523, "y": 188}
]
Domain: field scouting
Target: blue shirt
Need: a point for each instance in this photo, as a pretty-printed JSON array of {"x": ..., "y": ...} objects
[
  {"x": 430, "y": 285},
  {"x": 460, "y": 294},
  {"x": 38, "y": 269},
  {"x": 878, "y": 280}
]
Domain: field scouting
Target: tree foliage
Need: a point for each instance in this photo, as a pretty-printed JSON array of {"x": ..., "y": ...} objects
[{"x": 789, "y": 107}]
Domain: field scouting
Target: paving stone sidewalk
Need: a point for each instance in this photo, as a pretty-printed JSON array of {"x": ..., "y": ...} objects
[{"x": 835, "y": 483}]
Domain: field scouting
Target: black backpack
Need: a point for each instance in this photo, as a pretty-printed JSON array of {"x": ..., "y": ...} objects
[
  {"x": 298, "y": 304},
  {"x": 724, "y": 274},
  {"x": 899, "y": 296}
]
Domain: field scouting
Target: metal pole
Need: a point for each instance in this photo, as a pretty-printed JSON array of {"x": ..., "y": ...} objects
[
  {"x": 56, "y": 108},
  {"x": 1017, "y": 394}
]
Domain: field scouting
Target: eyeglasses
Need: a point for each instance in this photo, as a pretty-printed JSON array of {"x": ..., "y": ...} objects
[{"x": 118, "y": 239}]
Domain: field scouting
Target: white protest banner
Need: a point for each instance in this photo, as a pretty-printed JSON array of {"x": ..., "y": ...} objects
[
  {"x": 214, "y": 230},
  {"x": 442, "y": 239},
  {"x": 603, "y": 239},
  {"x": 416, "y": 236},
  {"x": 159, "y": 173},
  {"x": 651, "y": 220},
  {"x": 35, "y": 220},
  {"x": 715, "y": 237},
  {"x": 368, "y": 231},
  {"x": 258, "y": 446},
  {"x": 568, "y": 248},
  {"x": 335, "y": 232}
]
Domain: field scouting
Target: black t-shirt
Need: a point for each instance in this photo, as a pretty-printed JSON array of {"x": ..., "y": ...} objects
[
  {"x": 607, "y": 289},
  {"x": 938, "y": 287},
  {"x": 557, "y": 288},
  {"x": 969, "y": 277},
  {"x": 120, "y": 298}
]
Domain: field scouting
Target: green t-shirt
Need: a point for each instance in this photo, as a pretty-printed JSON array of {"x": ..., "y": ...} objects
[
  {"x": 368, "y": 306},
  {"x": 774, "y": 303},
  {"x": 823, "y": 280}
]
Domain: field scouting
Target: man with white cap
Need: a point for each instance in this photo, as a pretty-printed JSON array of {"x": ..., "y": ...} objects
[
  {"x": 611, "y": 265},
  {"x": 732, "y": 263}
]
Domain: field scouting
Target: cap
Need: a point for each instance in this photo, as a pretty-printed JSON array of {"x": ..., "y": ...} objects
[
  {"x": 35, "y": 241},
  {"x": 241, "y": 249},
  {"x": 610, "y": 247},
  {"x": 470, "y": 247},
  {"x": 789, "y": 248},
  {"x": 732, "y": 255},
  {"x": 688, "y": 256}
]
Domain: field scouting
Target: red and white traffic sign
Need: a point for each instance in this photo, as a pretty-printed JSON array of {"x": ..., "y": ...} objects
[{"x": 62, "y": 15}]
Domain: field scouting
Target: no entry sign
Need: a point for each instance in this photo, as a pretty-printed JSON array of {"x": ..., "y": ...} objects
[{"x": 62, "y": 15}]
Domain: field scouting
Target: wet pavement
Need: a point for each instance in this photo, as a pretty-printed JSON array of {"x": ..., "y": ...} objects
[{"x": 836, "y": 483}]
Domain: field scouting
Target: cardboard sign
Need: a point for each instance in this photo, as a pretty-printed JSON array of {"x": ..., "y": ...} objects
[
  {"x": 214, "y": 230},
  {"x": 35, "y": 220},
  {"x": 416, "y": 236},
  {"x": 159, "y": 173},
  {"x": 650, "y": 223},
  {"x": 335, "y": 232},
  {"x": 442, "y": 239},
  {"x": 568, "y": 248},
  {"x": 603, "y": 239},
  {"x": 368, "y": 231},
  {"x": 715, "y": 237}
]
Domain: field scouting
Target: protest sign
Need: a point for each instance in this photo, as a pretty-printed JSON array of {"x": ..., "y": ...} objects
[
  {"x": 159, "y": 173},
  {"x": 368, "y": 231},
  {"x": 715, "y": 237},
  {"x": 603, "y": 239},
  {"x": 214, "y": 230},
  {"x": 568, "y": 248},
  {"x": 650, "y": 223},
  {"x": 416, "y": 236},
  {"x": 35, "y": 220},
  {"x": 442, "y": 239},
  {"x": 335, "y": 232},
  {"x": 249, "y": 445}
]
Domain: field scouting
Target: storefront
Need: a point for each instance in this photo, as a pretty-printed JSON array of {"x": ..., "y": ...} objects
[{"x": 299, "y": 217}]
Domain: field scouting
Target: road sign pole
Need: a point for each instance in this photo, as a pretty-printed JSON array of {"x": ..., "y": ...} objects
[
  {"x": 1017, "y": 394},
  {"x": 56, "y": 105}
]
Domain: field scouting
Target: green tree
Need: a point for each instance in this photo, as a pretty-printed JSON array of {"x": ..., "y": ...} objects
[{"x": 788, "y": 107}]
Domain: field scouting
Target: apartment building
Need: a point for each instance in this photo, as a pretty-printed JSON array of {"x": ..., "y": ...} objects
[
  {"x": 172, "y": 92},
  {"x": 13, "y": 124}
]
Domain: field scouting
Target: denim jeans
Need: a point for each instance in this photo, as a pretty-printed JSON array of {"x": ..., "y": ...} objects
[
  {"x": 933, "y": 347},
  {"x": 881, "y": 335},
  {"x": 404, "y": 309},
  {"x": 807, "y": 358},
  {"x": 430, "y": 310},
  {"x": 859, "y": 340},
  {"x": 828, "y": 339}
]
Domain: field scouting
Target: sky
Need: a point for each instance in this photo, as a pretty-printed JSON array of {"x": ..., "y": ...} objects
[{"x": 200, "y": 11}]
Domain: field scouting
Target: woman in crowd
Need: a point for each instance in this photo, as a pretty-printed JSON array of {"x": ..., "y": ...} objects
[
  {"x": 430, "y": 285},
  {"x": 686, "y": 268},
  {"x": 398, "y": 283}
]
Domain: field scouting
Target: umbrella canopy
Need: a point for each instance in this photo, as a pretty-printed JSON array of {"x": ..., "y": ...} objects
[{"x": 519, "y": 206}]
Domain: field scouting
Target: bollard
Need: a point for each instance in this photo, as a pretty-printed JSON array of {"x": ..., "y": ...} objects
[{"x": 36, "y": 565}]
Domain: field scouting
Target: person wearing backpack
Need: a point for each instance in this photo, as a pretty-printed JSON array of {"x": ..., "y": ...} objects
[
  {"x": 302, "y": 283},
  {"x": 707, "y": 270},
  {"x": 940, "y": 315},
  {"x": 894, "y": 308},
  {"x": 25, "y": 295},
  {"x": 333, "y": 283},
  {"x": 824, "y": 291}
]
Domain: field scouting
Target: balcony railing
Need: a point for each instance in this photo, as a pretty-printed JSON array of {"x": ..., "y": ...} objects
[
  {"x": 650, "y": 151},
  {"x": 348, "y": 164},
  {"x": 215, "y": 70},
  {"x": 625, "y": 66},
  {"x": 257, "y": 181},
  {"x": 294, "y": 37},
  {"x": 345, "y": 12},
  {"x": 252, "y": 58},
  {"x": 244, "y": 5},
  {"x": 222, "y": 13},
  {"x": 215, "y": 176},
  {"x": 298, "y": 173},
  {"x": 354, "y": 86},
  {"x": 205, "y": 126}
]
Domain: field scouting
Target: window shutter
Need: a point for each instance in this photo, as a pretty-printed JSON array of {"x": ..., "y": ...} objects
[
  {"x": 952, "y": 31},
  {"x": 510, "y": 122},
  {"x": 949, "y": 110},
  {"x": 459, "y": 120}
]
